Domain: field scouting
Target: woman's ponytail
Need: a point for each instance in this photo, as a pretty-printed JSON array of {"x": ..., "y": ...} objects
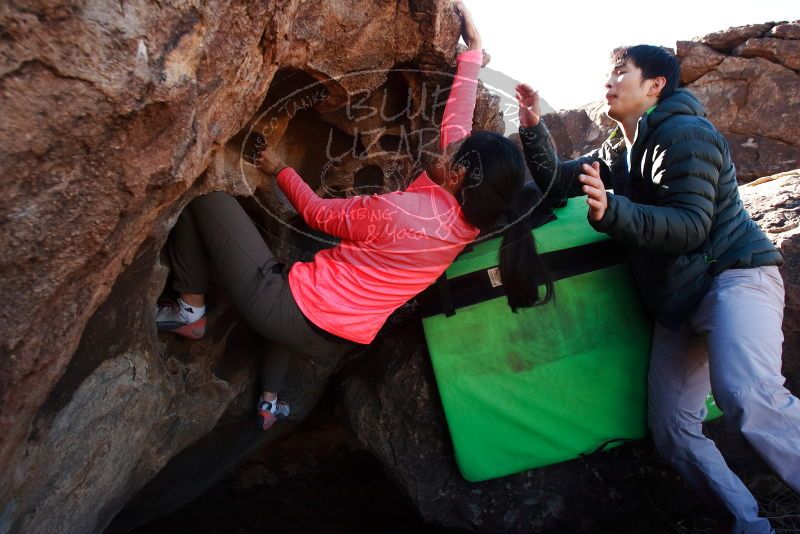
[
  {"x": 522, "y": 270},
  {"x": 494, "y": 176}
]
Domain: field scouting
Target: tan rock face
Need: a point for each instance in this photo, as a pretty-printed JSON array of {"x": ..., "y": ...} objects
[
  {"x": 739, "y": 96},
  {"x": 576, "y": 132},
  {"x": 115, "y": 115},
  {"x": 696, "y": 60},
  {"x": 104, "y": 128},
  {"x": 750, "y": 93},
  {"x": 727, "y": 40},
  {"x": 789, "y": 30},
  {"x": 754, "y": 99},
  {"x": 783, "y": 51},
  {"x": 755, "y": 152}
]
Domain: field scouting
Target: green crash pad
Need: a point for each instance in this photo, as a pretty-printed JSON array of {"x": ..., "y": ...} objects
[{"x": 549, "y": 383}]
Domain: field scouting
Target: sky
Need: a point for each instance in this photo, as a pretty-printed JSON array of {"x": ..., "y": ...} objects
[{"x": 561, "y": 47}]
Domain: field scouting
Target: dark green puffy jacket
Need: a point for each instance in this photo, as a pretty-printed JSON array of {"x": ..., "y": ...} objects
[{"x": 678, "y": 210}]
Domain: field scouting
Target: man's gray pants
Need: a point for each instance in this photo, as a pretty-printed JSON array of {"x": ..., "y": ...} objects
[{"x": 731, "y": 345}]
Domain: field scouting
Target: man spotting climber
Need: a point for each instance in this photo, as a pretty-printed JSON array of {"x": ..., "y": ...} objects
[{"x": 706, "y": 270}]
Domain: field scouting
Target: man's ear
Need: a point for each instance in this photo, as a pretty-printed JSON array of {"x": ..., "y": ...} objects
[{"x": 657, "y": 86}]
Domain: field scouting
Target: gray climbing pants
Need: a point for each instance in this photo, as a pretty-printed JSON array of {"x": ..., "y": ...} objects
[
  {"x": 731, "y": 345},
  {"x": 215, "y": 232}
]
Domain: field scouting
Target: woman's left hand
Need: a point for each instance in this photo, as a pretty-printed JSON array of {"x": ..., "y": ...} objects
[{"x": 270, "y": 162}]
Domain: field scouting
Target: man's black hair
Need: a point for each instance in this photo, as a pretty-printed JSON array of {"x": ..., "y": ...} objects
[{"x": 653, "y": 61}]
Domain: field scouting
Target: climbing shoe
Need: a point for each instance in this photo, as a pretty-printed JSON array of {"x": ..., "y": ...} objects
[
  {"x": 270, "y": 412},
  {"x": 170, "y": 319}
]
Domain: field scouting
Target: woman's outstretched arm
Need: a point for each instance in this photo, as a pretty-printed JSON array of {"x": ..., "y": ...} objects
[
  {"x": 460, "y": 106},
  {"x": 358, "y": 218}
]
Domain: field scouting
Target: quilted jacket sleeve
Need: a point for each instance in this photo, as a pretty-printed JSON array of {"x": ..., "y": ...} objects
[
  {"x": 558, "y": 180},
  {"x": 686, "y": 163}
]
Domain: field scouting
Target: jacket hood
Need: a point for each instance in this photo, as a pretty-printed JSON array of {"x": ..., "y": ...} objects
[{"x": 681, "y": 102}]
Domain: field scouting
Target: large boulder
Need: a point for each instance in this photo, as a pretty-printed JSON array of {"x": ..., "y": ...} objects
[{"x": 115, "y": 116}]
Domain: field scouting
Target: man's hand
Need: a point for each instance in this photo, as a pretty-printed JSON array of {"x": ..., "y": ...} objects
[
  {"x": 468, "y": 30},
  {"x": 530, "y": 110},
  {"x": 595, "y": 191},
  {"x": 269, "y": 161}
]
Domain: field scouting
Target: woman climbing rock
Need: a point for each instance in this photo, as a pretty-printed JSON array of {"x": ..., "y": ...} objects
[{"x": 392, "y": 245}]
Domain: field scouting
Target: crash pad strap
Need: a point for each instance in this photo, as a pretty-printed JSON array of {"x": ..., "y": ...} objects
[
  {"x": 445, "y": 296},
  {"x": 476, "y": 287}
]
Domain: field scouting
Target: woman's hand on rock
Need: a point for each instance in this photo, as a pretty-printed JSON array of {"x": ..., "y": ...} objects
[{"x": 270, "y": 162}]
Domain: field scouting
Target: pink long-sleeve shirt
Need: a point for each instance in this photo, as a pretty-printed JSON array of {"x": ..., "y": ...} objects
[{"x": 392, "y": 245}]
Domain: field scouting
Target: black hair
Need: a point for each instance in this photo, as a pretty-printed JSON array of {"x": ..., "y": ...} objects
[
  {"x": 494, "y": 175},
  {"x": 653, "y": 61}
]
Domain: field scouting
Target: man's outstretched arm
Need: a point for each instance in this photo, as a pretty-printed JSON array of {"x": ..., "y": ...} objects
[{"x": 558, "y": 180}]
